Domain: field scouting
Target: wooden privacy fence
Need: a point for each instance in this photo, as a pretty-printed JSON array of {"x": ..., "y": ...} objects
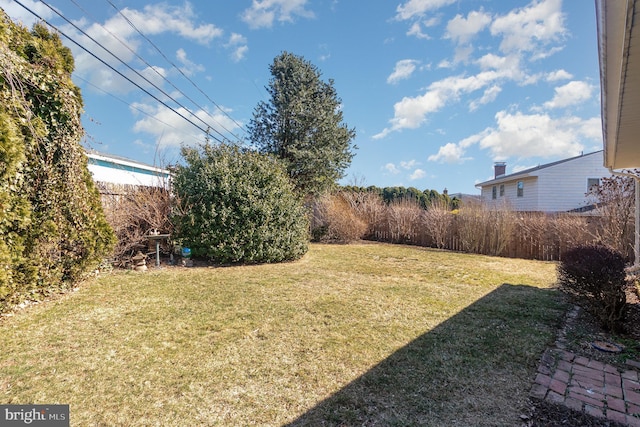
[
  {"x": 546, "y": 241},
  {"x": 518, "y": 248}
]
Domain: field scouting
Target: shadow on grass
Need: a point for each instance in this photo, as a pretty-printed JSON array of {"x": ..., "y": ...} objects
[{"x": 473, "y": 369}]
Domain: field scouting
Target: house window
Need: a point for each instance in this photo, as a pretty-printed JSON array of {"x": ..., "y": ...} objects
[
  {"x": 494, "y": 192},
  {"x": 501, "y": 190},
  {"x": 520, "y": 187},
  {"x": 592, "y": 184}
]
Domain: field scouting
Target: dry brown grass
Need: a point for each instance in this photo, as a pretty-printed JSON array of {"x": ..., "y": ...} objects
[{"x": 366, "y": 334}]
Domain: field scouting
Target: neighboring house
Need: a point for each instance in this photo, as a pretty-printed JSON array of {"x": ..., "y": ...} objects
[
  {"x": 119, "y": 171},
  {"x": 554, "y": 187}
]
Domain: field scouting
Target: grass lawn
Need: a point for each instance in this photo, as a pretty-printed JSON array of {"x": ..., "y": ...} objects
[{"x": 363, "y": 334}]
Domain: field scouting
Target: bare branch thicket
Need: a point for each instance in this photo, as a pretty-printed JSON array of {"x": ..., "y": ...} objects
[
  {"x": 485, "y": 230},
  {"x": 369, "y": 207},
  {"x": 572, "y": 230},
  {"x": 438, "y": 221},
  {"x": 615, "y": 197},
  {"x": 337, "y": 218},
  {"x": 500, "y": 229},
  {"x": 533, "y": 227},
  {"x": 471, "y": 222},
  {"x": 133, "y": 212},
  {"x": 404, "y": 217}
]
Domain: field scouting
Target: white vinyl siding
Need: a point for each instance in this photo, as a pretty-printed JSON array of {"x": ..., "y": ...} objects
[
  {"x": 558, "y": 187},
  {"x": 563, "y": 187}
]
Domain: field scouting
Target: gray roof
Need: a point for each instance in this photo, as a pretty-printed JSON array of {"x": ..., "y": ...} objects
[{"x": 526, "y": 172}]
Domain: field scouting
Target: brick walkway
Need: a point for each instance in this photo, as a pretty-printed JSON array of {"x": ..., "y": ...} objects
[{"x": 588, "y": 385}]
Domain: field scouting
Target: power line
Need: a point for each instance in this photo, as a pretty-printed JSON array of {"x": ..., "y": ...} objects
[
  {"x": 160, "y": 74},
  {"x": 208, "y": 127},
  {"x": 125, "y": 102},
  {"x": 205, "y": 131},
  {"x": 174, "y": 65}
]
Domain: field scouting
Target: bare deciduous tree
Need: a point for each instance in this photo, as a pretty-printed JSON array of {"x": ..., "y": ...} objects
[{"x": 615, "y": 197}]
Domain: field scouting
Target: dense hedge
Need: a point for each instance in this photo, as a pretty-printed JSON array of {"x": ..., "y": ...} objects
[
  {"x": 236, "y": 205},
  {"x": 52, "y": 228}
]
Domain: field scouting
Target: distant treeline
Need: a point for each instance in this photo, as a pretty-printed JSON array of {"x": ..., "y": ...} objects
[{"x": 424, "y": 198}]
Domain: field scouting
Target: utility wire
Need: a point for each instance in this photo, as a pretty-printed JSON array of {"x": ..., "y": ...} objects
[
  {"x": 157, "y": 72},
  {"x": 75, "y": 75},
  {"x": 208, "y": 127},
  {"x": 173, "y": 64},
  {"x": 114, "y": 69}
]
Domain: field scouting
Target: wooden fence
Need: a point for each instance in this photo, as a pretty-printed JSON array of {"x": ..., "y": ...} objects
[
  {"x": 517, "y": 248},
  {"x": 544, "y": 243}
]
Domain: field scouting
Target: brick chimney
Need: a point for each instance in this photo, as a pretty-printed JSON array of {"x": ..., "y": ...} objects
[{"x": 500, "y": 169}]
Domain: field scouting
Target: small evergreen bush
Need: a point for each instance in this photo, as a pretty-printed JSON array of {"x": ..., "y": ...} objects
[
  {"x": 236, "y": 205},
  {"x": 594, "y": 276}
]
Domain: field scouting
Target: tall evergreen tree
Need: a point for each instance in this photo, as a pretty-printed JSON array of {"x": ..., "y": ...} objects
[{"x": 302, "y": 124}]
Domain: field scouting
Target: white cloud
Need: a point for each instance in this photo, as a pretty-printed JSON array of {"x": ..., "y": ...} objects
[
  {"x": 403, "y": 70},
  {"x": 171, "y": 130},
  {"x": 417, "y": 174},
  {"x": 21, "y": 15},
  {"x": 525, "y": 136},
  {"x": 558, "y": 75},
  {"x": 491, "y": 61},
  {"x": 409, "y": 164},
  {"x": 520, "y": 168},
  {"x": 573, "y": 93},
  {"x": 391, "y": 168},
  {"x": 536, "y": 135},
  {"x": 449, "y": 153},
  {"x": 445, "y": 63},
  {"x": 416, "y": 31},
  {"x": 462, "y": 30},
  {"x": 545, "y": 53},
  {"x": 188, "y": 67},
  {"x": 462, "y": 53},
  {"x": 417, "y": 8},
  {"x": 120, "y": 38},
  {"x": 531, "y": 27},
  {"x": 263, "y": 13},
  {"x": 162, "y": 18},
  {"x": 238, "y": 45},
  {"x": 411, "y": 112},
  {"x": 490, "y": 95},
  {"x": 239, "y": 53}
]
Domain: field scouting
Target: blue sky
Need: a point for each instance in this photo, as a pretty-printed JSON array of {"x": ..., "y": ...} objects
[{"x": 437, "y": 90}]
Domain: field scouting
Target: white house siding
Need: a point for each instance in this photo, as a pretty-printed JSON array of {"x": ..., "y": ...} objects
[
  {"x": 563, "y": 187},
  {"x": 556, "y": 187},
  {"x": 120, "y": 171},
  {"x": 528, "y": 201}
]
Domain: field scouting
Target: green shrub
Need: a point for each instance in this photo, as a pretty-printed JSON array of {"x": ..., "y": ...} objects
[
  {"x": 594, "y": 276},
  {"x": 52, "y": 228},
  {"x": 235, "y": 205}
]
